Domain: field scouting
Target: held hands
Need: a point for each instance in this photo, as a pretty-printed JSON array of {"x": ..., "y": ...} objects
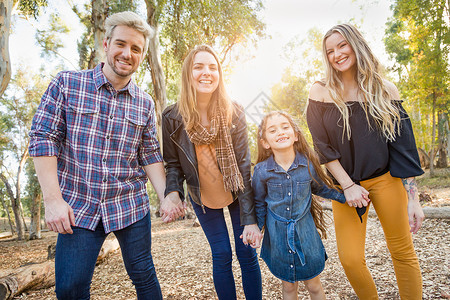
[
  {"x": 59, "y": 216},
  {"x": 252, "y": 236},
  {"x": 172, "y": 207},
  {"x": 356, "y": 196}
]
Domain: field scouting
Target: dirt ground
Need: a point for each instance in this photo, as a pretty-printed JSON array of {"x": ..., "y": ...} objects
[{"x": 183, "y": 263}]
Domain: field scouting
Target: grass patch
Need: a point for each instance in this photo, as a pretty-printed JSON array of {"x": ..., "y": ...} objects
[{"x": 441, "y": 179}]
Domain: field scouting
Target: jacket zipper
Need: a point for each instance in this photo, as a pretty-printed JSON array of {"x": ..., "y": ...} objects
[{"x": 196, "y": 173}]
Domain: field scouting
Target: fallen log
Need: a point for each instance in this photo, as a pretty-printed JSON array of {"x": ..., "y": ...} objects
[
  {"x": 40, "y": 275},
  {"x": 4, "y": 235},
  {"x": 108, "y": 247},
  {"x": 442, "y": 212},
  {"x": 430, "y": 212},
  {"x": 35, "y": 276}
]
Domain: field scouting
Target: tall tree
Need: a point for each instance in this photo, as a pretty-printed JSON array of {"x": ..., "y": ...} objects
[
  {"x": 35, "y": 199},
  {"x": 24, "y": 7},
  {"x": 418, "y": 38},
  {"x": 19, "y": 102},
  {"x": 5, "y": 24}
]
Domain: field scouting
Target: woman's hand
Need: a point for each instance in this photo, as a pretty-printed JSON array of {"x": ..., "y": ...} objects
[
  {"x": 252, "y": 236},
  {"x": 171, "y": 207},
  {"x": 356, "y": 196},
  {"x": 415, "y": 212}
]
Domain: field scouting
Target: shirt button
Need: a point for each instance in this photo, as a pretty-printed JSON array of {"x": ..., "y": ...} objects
[
  {"x": 108, "y": 136},
  {"x": 104, "y": 160},
  {"x": 292, "y": 266},
  {"x": 287, "y": 208},
  {"x": 288, "y": 177},
  {"x": 289, "y": 193},
  {"x": 111, "y": 117},
  {"x": 290, "y": 251},
  {"x": 104, "y": 180}
]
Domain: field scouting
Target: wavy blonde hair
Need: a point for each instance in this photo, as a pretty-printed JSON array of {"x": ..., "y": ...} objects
[
  {"x": 377, "y": 98},
  {"x": 187, "y": 102}
]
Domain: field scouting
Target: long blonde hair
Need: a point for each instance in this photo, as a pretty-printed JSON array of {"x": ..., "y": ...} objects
[
  {"x": 187, "y": 103},
  {"x": 302, "y": 147},
  {"x": 377, "y": 98}
]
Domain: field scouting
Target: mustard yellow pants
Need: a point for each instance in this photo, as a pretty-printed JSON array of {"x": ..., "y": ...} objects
[{"x": 390, "y": 200}]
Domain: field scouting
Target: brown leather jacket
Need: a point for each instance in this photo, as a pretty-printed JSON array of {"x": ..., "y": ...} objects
[{"x": 181, "y": 160}]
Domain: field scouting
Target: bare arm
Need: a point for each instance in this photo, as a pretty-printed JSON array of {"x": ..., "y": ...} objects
[
  {"x": 355, "y": 195},
  {"x": 171, "y": 207},
  {"x": 157, "y": 176},
  {"x": 58, "y": 213},
  {"x": 415, "y": 212}
]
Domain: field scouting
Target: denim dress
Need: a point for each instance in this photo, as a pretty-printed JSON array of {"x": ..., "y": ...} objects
[{"x": 292, "y": 247}]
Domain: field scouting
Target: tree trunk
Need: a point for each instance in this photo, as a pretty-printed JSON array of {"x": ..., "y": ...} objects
[
  {"x": 442, "y": 138},
  {"x": 433, "y": 136},
  {"x": 6, "y": 208},
  {"x": 40, "y": 276},
  {"x": 154, "y": 60},
  {"x": 5, "y": 63},
  {"x": 16, "y": 208},
  {"x": 35, "y": 225},
  {"x": 19, "y": 205},
  {"x": 35, "y": 276},
  {"x": 99, "y": 14},
  {"x": 108, "y": 247}
]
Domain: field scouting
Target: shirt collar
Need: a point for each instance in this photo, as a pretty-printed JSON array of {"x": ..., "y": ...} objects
[
  {"x": 100, "y": 80},
  {"x": 299, "y": 160}
]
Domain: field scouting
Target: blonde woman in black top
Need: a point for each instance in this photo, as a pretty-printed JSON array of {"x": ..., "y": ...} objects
[{"x": 364, "y": 137}]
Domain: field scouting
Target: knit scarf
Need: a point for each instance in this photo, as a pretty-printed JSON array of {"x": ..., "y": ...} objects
[{"x": 219, "y": 134}]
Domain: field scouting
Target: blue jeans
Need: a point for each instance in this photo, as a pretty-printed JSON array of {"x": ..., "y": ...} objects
[
  {"x": 215, "y": 228},
  {"x": 77, "y": 253}
]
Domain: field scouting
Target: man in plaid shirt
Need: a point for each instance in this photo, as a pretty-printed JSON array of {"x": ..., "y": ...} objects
[{"x": 93, "y": 140}]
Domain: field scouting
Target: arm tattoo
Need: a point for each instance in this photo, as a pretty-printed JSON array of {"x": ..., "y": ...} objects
[{"x": 410, "y": 185}]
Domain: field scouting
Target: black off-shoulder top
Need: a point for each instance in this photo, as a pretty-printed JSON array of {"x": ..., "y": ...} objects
[{"x": 367, "y": 154}]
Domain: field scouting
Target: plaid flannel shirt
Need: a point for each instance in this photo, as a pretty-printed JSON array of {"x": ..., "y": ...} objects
[{"x": 101, "y": 138}]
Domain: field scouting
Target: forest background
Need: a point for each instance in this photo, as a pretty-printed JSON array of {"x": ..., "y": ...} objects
[{"x": 415, "y": 39}]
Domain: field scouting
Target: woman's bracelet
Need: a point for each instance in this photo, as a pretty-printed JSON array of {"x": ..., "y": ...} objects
[{"x": 346, "y": 188}]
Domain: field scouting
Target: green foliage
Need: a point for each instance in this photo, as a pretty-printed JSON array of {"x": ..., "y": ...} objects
[
  {"x": 223, "y": 24},
  {"x": 418, "y": 38},
  {"x": 252, "y": 129},
  {"x": 50, "y": 39},
  {"x": 32, "y": 188},
  {"x": 31, "y": 7},
  {"x": 291, "y": 94},
  {"x": 17, "y": 108}
]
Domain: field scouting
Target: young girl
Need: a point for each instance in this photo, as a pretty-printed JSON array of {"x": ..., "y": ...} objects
[{"x": 288, "y": 171}]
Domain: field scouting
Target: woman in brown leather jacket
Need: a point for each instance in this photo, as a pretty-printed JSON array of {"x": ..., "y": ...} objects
[{"x": 205, "y": 143}]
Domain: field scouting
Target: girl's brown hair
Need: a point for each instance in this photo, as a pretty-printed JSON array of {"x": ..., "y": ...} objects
[
  {"x": 187, "y": 103},
  {"x": 303, "y": 148}
]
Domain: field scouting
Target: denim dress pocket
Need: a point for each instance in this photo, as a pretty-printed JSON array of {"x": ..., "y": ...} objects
[
  {"x": 302, "y": 201},
  {"x": 275, "y": 191}
]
